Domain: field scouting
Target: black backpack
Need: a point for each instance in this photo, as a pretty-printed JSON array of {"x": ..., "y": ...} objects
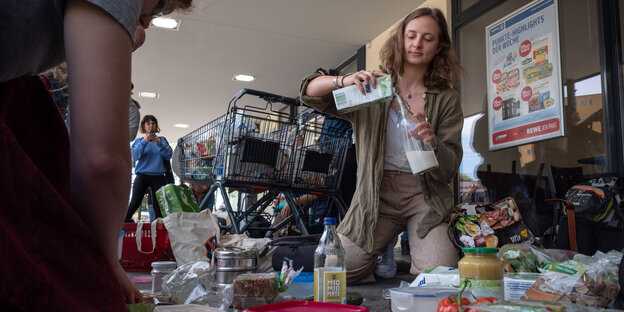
[{"x": 598, "y": 199}]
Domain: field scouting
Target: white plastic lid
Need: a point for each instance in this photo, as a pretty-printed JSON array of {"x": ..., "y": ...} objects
[
  {"x": 405, "y": 297},
  {"x": 164, "y": 266}
]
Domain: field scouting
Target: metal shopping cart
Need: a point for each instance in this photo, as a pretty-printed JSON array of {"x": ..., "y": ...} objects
[{"x": 261, "y": 150}]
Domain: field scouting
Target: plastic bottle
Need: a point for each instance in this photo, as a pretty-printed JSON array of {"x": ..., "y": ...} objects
[
  {"x": 420, "y": 155},
  {"x": 330, "y": 267}
]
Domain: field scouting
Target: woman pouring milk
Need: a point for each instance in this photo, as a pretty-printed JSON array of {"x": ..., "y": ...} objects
[{"x": 389, "y": 199}]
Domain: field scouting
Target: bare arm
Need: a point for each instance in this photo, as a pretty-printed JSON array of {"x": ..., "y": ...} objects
[{"x": 98, "y": 51}]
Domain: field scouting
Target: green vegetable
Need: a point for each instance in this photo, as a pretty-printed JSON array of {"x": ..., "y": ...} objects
[{"x": 519, "y": 261}]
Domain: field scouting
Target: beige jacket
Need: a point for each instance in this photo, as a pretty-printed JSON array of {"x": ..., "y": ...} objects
[{"x": 443, "y": 111}]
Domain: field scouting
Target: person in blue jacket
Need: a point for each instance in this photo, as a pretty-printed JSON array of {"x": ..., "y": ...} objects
[{"x": 149, "y": 152}]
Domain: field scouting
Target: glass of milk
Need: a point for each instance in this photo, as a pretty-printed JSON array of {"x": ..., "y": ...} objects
[{"x": 420, "y": 155}]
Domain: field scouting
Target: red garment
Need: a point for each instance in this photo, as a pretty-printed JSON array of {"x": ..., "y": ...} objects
[{"x": 49, "y": 259}]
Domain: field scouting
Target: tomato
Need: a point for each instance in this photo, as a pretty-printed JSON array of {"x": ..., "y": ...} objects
[
  {"x": 450, "y": 304},
  {"x": 482, "y": 300}
]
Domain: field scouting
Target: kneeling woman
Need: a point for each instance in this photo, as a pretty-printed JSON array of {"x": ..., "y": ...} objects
[
  {"x": 149, "y": 152},
  {"x": 389, "y": 198}
]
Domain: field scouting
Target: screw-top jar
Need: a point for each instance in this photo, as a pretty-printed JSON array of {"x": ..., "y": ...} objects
[
  {"x": 159, "y": 270},
  {"x": 482, "y": 267}
]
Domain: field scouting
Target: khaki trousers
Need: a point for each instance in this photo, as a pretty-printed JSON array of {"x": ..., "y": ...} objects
[{"x": 401, "y": 206}]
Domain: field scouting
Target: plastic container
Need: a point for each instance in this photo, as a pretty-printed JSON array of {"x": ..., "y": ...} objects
[
  {"x": 330, "y": 267},
  {"x": 134, "y": 260},
  {"x": 482, "y": 267},
  {"x": 159, "y": 270},
  {"x": 306, "y": 306},
  {"x": 420, "y": 155},
  {"x": 420, "y": 298}
]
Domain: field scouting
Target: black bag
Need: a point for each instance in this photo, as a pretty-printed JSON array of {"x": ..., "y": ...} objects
[
  {"x": 596, "y": 198},
  {"x": 299, "y": 249},
  {"x": 168, "y": 172}
]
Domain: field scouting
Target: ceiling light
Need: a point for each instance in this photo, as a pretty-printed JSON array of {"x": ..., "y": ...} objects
[
  {"x": 246, "y": 78},
  {"x": 181, "y": 125},
  {"x": 167, "y": 23},
  {"x": 151, "y": 95}
]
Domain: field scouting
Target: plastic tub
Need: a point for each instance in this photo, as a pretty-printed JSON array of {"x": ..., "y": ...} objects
[{"x": 421, "y": 298}]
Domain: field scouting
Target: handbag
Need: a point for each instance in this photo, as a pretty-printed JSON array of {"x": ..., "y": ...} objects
[{"x": 299, "y": 249}]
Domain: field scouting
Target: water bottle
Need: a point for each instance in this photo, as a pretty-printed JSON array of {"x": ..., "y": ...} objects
[
  {"x": 330, "y": 267},
  {"x": 420, "y": 155}
]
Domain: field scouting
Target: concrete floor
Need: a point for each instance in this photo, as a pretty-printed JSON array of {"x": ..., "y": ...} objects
[{"x": 371, "y": 293}]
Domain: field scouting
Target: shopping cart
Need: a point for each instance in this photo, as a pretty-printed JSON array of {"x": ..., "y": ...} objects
[{"x": 198, "y": 152}]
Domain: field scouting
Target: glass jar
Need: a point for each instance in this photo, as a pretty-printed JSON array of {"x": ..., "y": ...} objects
[
  {"x": 482, "y": 267},
  {"x": 159, "y": 270}
]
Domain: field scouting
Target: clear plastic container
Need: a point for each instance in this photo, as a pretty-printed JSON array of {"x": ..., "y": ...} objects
[
  {"x": 330, "y": 267},
  {"x": 159, "y": 270},
  {"x": 420, "y": 155},
  {"x": 420, "y": 298}
]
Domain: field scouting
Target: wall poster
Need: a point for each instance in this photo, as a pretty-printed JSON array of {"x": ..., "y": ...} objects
[{"x": 524, "y": 90}]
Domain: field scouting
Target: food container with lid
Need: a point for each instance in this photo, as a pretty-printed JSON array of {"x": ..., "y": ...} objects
[
  {"x": 482, "y": 267},
  {"x": 420, "y": 298},
  {"x": 233, "y": 261},
  {"x": 159, "y": 270}
]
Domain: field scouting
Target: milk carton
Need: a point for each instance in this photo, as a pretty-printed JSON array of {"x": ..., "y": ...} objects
[{"x": 351, "y": 98}]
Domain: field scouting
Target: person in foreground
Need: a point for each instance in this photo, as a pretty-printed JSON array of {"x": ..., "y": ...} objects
[
  {"x": 59, "y": 241},
  {"x": 389, "y": 198},
  {"x": 149, "y": 152}
]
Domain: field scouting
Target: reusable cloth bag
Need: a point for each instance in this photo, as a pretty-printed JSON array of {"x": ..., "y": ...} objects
[{"x": 193, "y": 235}]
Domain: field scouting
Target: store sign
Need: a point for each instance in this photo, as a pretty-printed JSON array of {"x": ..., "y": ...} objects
[{"x": 524, "y": 90}]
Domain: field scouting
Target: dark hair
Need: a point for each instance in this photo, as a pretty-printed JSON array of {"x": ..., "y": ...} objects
[
  {"x": 443, "y": 70},
  {"x": 184, "y": 5},
  {"x": 147, "y": 118}
]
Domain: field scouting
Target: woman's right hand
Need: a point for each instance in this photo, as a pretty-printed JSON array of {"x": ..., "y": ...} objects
[{"x": 363, "y": 79}]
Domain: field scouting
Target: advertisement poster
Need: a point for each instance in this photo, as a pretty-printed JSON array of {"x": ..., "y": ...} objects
[{"x": 524, "y": 91}]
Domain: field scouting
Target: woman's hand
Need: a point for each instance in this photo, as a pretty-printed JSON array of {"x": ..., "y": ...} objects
[
  {"x": 365, "y": 80},
  {"x": 423, "y": 130},
  {"x": 152, "y": 137}
]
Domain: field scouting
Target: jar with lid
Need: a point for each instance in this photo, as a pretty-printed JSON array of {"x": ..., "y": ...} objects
[
  {"x": 159, "y": 270},
  {"x": 482, "y": 267}
]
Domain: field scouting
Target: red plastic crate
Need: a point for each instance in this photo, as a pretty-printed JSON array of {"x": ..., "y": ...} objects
[{"x": 132, "y": 259}]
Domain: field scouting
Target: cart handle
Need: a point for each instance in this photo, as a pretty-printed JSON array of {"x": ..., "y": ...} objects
[{"x": 270, "y": 97}]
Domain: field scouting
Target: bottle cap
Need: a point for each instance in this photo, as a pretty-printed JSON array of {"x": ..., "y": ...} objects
[{"x": 329, "y": 221}]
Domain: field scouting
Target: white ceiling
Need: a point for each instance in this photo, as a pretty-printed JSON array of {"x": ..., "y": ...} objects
[{"x": 279, "y": 41}]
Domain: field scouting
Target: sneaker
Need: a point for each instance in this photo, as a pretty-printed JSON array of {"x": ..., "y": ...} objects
[{"x": 386, "y": 267}]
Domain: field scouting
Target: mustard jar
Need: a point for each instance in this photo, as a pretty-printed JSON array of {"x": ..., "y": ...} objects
[{"x": 482, "y": 267}]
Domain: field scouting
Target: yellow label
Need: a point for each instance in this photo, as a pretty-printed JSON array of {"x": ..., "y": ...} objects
[
  {"x": 330, "y": 286},
  {"x": 336, "y": 287}
]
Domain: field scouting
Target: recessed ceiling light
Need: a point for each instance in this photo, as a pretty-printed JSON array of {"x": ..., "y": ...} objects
[
  {"x": 167, "y": 23},
  {"x": 151, "y": 95},
  {"x": 181, "y": 125},
  {"x": 246, "y": 78}
]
